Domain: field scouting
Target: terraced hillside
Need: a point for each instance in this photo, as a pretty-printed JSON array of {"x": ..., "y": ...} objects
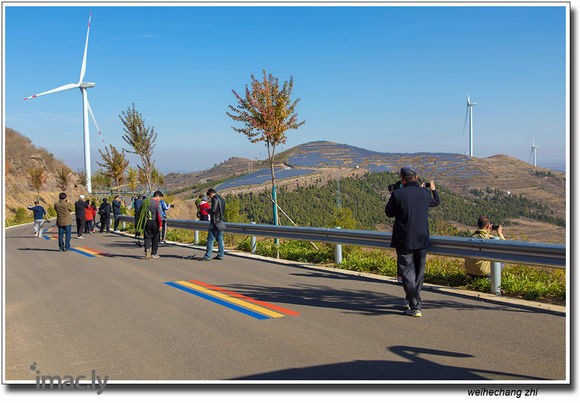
[{"x": 322, "y": 161}]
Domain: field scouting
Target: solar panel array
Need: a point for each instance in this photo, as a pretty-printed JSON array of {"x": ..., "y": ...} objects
[{"x": 262, "y": 176}]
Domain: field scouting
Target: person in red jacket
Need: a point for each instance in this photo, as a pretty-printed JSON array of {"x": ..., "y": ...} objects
[
  {"x": 88, "y": 218},
  {"x": 204, "y": 209},
  {"x": 94, "y": 211}
]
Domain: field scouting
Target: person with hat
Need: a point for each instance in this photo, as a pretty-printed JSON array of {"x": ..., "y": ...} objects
[
  {"x": 409, "y": 205},
  {"x": 80, "y": 206}
]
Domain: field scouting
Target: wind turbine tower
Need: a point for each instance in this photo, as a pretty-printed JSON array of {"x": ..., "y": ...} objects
[
  {"x": 533, "y": 153},
  {"x": 83, "y": 86},
  {"x": 470, "y": 113}
]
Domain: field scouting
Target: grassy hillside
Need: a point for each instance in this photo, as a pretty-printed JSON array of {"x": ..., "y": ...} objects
[{"x": 365, "y": 198}]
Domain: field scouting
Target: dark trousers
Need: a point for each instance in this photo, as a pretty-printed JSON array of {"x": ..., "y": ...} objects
[
  {"x": 80, "y": 226},
  {"x": 105, "y": 223},
  {"x": 163, "y": 229},
  {"x": 151, "y": 236},
  {"x": 137, "y": 233},
  {"x": 117, "y": 218},
  {"x": 411, "y": 267}
]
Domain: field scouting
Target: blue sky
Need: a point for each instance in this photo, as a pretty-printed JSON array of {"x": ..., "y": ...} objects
[{"x": 385, "y": 78}]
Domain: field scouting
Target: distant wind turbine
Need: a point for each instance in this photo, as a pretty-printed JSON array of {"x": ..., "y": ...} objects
[
  {"x": 533, "y": 152},
  {"x": 469, "y": 113},
  {"x": 86, "y": 107}
]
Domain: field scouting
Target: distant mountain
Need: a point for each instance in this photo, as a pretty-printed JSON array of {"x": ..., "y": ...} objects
[{"x": 321, "y": 161}]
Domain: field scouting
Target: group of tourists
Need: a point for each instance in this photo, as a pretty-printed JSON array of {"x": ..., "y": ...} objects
[
  {"x": 150, "y": 220},
  {"x": 408, "y": 204}
]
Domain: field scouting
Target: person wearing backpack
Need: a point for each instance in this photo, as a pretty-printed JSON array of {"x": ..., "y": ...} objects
[{"x": 150, "y": 223}]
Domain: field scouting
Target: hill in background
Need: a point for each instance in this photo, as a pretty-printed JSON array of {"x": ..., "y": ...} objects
[
  {"x": 323, "y": 161},
  {"x": 20, "y": 156},
  {"x": 320, "y": 164}
]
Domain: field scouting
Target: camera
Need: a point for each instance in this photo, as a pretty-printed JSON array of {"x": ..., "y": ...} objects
[
  {"x": 427, "y": 185},
  {"x": 494, "y": 227},
  {"x": 394, "y": 186}
]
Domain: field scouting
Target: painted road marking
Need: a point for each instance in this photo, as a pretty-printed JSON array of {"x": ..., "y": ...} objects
[
  {"x": 257, "y": 309},
  {"x": 83, "y": 250},
  {"x": 255, "y": 301}
]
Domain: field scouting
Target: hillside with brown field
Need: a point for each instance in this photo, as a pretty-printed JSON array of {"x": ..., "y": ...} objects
[
  {"x": 323, "y": 162},
  {"x": 20, "y": 156}
]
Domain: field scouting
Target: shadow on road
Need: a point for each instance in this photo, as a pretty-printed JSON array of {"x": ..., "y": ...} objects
[
  {"x": 416, "y": 368},
  {"x": 356, "y": 299},
  {"x": 40, "y": 249}
]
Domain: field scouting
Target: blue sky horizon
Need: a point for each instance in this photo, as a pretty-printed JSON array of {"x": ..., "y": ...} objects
[{"x": 382, "y": 77}]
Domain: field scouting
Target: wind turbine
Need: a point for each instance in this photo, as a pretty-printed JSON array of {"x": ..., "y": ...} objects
[
  {"x": 469, "y": 112},
  {"x": 83, "y": 86},
  {"x": 533, "y": 152}
]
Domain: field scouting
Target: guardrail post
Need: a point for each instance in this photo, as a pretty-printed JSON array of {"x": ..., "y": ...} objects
[
  {"x": 253, "y": 243},
  {"x": 495, "y": 278},
  {"x": 337, "y": 252},
  {"x": 196, "y": 237}
]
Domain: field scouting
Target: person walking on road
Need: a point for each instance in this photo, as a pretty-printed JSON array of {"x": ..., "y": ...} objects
[
  {"x": 216, "y": 226},
  {"x": 39, "y": 218},
  {"x": 150, "y": 223},
  {"x": 63, "y": 221},
  {"x": 105, "y": 215},
  {"x": 116, "y": 213},
  {"x": 80, "y": 206},
  {"x": 136, "y": 207},
  {"x": 89, "y": 216},
  {"x": 409, "y": 205},
  {"x": 164, "y": 207}
]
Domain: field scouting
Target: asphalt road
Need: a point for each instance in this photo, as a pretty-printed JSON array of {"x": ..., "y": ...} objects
[{"x": 110, "y": 311}]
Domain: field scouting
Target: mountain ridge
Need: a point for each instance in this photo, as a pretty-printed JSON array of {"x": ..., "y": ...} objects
[{"x": 459, "y": 173}]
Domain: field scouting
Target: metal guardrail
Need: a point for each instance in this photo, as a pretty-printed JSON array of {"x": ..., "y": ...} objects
[{"x": 533, "y": 253}]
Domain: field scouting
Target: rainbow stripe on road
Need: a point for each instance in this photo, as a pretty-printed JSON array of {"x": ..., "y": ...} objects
[
  {"x": 83, "y": 250},
  {"x": 249, "y": 306}
]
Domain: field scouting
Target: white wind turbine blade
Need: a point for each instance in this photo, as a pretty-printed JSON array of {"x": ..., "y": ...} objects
[
  {"x": 58, "y": 89},
  {"x": 95, "y": 120},
  {"x": 84, "y": 65}
]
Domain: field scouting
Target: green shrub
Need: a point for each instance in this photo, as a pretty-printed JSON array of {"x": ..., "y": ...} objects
[{"x": 370, "y": 262}]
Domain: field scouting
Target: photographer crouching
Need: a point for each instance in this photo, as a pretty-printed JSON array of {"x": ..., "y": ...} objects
[
  {"x": 476, "y": 268},
  {"x": 409, "y": 204}
]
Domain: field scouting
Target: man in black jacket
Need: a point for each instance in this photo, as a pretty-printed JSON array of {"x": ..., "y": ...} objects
[
  {"x": 80, "y": 206},
  {"x": 216, "y": 226},
  {"x": 409, "y": 205},
  {"x": 117, "y": 202},
  {"x": 105, "y": 214}
]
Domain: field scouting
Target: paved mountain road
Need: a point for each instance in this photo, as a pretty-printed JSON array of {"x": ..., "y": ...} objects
[{"x": 102, "y": 307}]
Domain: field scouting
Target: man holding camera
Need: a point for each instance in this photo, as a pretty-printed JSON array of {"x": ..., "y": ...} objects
[
  {"x": 482, "y": 268},
  {"x": 409, "y": 204}
]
